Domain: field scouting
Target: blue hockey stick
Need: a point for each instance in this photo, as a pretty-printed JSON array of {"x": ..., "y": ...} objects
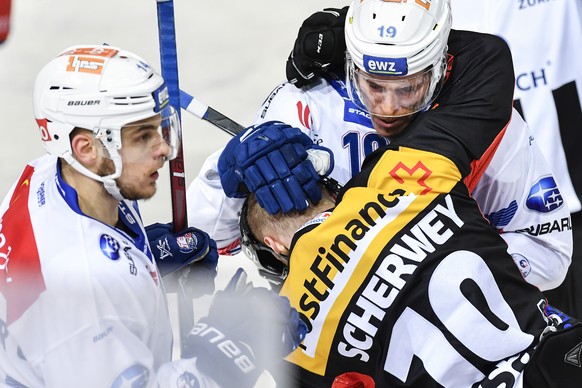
[{"x": 169, "y": 65}]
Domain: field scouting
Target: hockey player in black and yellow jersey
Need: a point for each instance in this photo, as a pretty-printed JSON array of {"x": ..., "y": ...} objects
[{"x": 406, "y": 282}]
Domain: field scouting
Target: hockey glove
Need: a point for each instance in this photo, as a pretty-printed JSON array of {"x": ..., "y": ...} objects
[
  {"x": 557, "y": 359},
  {"x": 320, "y": 46},
  {"x": 247, "y": 330},
  {"x": 190, "y": 253},
  {"x": 277, "y": 162}
]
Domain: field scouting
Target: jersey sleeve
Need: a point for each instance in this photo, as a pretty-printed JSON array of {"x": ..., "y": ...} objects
[
  {"x": 520, "y": 197},
  {"x": 288, "y": 104},
  {"x": 209, "y": 209}
]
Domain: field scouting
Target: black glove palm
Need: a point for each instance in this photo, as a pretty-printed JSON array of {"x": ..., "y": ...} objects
[{"x": 247, "y": 330}]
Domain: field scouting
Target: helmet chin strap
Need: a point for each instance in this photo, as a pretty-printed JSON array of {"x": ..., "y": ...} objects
[
  {"x": 111, "y": 187},
  {"x": 108, "y": 181}
]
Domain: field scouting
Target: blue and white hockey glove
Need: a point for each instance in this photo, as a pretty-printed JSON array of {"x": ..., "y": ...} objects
[
  {"x": 247, "y": 330},
  {"x": 277, "y": 162},
  {"x": 190, "y": 250}
]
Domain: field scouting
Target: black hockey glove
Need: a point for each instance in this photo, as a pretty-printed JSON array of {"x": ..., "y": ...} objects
[
  {"x": 247, "y": 330},
  {"x": 320, "y": 46},
  {"x": 557, "y": 359},
  {"x": 189, "y": 254}
]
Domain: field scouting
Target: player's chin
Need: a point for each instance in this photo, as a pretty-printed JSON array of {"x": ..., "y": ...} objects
[
  {"x": 388, "y": 127},
  {"x": 139, "y": 192},
  {"x": 150, "y": 192}
]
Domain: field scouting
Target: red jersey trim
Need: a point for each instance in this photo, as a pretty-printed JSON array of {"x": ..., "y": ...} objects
[{"x": 21, "y": 279}]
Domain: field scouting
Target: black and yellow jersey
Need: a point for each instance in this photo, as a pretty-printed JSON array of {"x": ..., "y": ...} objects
[{"x": 407, "y": 282}]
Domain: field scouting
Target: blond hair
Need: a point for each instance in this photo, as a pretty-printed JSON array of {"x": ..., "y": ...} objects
[{"x": 282, "y": 225}]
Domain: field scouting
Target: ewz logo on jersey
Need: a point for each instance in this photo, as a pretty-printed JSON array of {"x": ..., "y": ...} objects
[
  {"x": 544, "y": 196},
  {"x": 109, "y": 246}
]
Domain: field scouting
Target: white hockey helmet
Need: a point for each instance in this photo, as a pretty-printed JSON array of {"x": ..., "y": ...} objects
[
  {"x": 100, "y": 88},
  {"x": 399, "y": 46}
]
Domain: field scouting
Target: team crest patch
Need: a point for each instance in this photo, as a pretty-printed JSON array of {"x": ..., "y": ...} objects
[
  {"x": 544, "y": 196},
  {"x": 522, "y": 263},
  {"x": 187, "y": 242},
  {"x": 136, "y": 376},
  {"x": 109, "y": 246}
]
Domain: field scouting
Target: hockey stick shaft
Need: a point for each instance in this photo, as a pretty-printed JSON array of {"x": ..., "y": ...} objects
[
  {"x": 169, "y": 65},
  {"x": 204, "y": 112}
]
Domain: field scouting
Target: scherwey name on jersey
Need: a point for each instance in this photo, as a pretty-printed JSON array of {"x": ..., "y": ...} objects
[
  {"x": 389, "y": 278},
  {"x": 331, "y": 264},
  {"x": 363, "y": 254}
]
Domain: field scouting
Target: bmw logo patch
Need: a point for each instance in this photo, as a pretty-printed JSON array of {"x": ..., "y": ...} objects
[
  {"x": 188, "y": 380},
  {"x": 109, "y": 246}
]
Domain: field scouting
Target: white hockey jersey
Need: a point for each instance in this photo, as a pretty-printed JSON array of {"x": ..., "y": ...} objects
[
  {"x": 517, "y": 191},
  {"x": 545, "y": 38},
  {"x": 81, "y": 303}
]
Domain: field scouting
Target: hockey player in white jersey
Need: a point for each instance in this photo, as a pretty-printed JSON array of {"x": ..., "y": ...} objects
[
  {"x": 548, "y": 94},
  {"x": 81, "y": 299},
  {"x": 469, "y": 94}
]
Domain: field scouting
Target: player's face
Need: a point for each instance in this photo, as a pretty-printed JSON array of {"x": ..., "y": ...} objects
[
  {"x": 392, "y": 101},
  {"x": 143, "y": 153}
]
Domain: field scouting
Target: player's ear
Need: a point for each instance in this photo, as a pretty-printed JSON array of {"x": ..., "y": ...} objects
[
  {"x": 84, "y": 146},
  {"x": 276, "y": 245}
]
